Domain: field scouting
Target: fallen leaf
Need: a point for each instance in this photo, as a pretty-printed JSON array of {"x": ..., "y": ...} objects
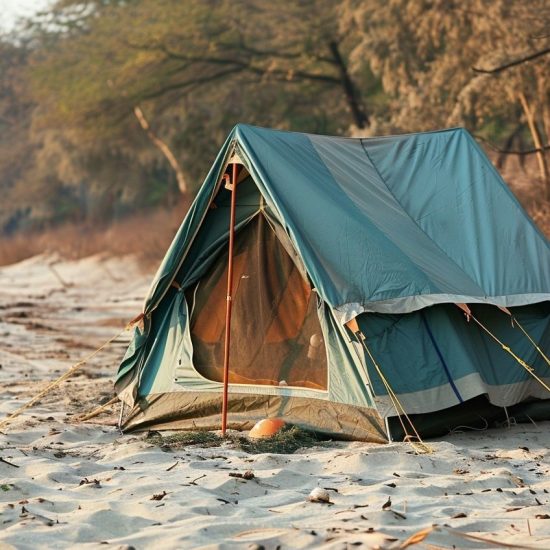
[{"x": 86, "y": 481}]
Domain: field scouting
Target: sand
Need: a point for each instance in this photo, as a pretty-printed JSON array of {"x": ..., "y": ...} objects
[{"x": 69, "y": 484}]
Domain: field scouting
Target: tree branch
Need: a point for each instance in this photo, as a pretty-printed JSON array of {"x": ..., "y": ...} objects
[
  {"x": 188, "y": 83},
  {"x": 163, "y": 148},
  {"x": 243, "y": 65},
  {"x": 512, "y": 151},
  {"x": 519, "y": 61},
  {"x": 360, "y": 117}
]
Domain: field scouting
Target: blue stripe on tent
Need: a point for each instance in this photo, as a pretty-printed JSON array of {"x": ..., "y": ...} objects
[{"x": 439, "y": 354}]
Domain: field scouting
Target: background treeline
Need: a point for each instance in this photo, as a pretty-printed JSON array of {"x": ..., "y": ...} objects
[{"x": 111, "y": 107}]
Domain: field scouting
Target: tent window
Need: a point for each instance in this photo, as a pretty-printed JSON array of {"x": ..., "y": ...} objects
[{"x": 276, "y": 337}]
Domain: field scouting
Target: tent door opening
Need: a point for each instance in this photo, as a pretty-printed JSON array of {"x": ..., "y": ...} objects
[{"x": 276, "y": 336}]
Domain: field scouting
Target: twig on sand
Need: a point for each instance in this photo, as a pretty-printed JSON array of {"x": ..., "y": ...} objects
[
  {"x": 247, "y": 475},
  {"x": 9, "y": 463},
  {"x": 97, "y": 411},
  {"x": 47, "y": 521},
  {"x": 64, "y": 283},
  {"x": 194, "y": 482},
  {"x": 420, "y": 536}
]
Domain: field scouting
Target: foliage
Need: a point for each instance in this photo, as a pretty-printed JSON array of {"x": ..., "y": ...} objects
[
  {"x": 438, "y": 57},
  {"x": 73, "y": 148}
]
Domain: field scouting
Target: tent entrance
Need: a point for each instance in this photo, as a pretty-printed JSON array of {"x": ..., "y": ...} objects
[{"x": 276, "y": 336}]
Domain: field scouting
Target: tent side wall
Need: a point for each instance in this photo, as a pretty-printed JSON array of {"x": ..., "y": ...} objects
[
  {"x": 434, "y": 359},
  {"x": 128, "y": 375}
]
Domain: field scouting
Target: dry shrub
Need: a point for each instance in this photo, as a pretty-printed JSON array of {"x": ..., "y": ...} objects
[
  {"x": 146, "y": 235},
  {"x": 541, "y": 216},
  {"x": 523, "y": 178}
]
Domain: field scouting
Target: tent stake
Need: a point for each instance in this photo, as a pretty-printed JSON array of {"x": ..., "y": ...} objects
[{"x": 233, "y": 187}]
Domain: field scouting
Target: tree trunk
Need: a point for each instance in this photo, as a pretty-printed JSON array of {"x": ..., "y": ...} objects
[
  {"x": 360, "y": 117},
  {"x": 537, "y": 141},
  {"x": 164, "y": 149}
]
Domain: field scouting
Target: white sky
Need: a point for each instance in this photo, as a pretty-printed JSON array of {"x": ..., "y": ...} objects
[{"x": 12, "y": 10}]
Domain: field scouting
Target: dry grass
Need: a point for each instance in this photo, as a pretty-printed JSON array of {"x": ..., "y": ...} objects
[
  {"x": 541, "y": 215},
  {"x": 147, "y": 235},
  {"x": 287, "y": 441}
]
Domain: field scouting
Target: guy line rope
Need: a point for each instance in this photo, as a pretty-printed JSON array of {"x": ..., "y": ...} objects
[
  {"x": 469, "y": 315},
  {"x": 54, "y": 383},
  {"x": 419, "y": 446}
]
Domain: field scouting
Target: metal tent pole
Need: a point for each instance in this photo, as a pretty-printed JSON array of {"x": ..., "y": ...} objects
[{"x": 233, "y": 187}]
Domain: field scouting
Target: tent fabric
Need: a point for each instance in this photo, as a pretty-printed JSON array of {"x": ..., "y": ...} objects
[
  {"x": 392, "y": 231},
  {"x": 202, "y": 411},
  {"x": 415, "y": 220},
  {"x": 459, "y": 361}
]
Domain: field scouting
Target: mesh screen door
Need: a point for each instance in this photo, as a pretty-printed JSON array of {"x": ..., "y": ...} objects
[{"x": 276, "y": 336}]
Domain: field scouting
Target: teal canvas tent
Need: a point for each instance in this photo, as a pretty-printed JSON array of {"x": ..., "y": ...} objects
[{"x": 350, "y": 257}]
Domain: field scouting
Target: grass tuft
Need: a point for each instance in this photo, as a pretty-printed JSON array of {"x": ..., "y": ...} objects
[
  {"x": 179, "y": 440},
  {"x": 287, "y": 441}
]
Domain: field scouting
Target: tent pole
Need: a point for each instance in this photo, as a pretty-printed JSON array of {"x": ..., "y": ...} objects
[{"x": 233, "y": 187}]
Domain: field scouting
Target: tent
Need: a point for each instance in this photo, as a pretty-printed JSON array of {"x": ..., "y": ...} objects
[{"x": 349, "y": 259}]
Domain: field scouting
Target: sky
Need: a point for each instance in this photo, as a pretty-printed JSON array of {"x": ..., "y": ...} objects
[{"x": 11, "y": 10}]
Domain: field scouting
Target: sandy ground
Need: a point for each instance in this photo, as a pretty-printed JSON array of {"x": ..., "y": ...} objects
[{"x": 65, "y": 484}]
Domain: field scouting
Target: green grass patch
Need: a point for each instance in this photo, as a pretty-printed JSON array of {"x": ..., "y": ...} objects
[{"x": 287, "y": 441}]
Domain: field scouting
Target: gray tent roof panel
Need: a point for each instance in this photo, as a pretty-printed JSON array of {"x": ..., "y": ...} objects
[{"x": 397, "y": 223}]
